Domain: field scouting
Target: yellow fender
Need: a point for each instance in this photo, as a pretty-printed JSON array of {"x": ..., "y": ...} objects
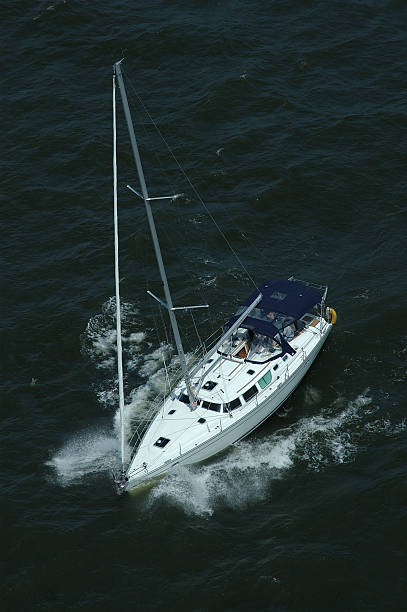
[{"x": 331, "y": 315}]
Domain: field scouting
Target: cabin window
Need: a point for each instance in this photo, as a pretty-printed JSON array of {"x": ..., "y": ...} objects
[
  {"x": 211, "y": 406},
  {"x": 265, "y": 380},
  {"x": 171, "y": 411},
  {"x": 209, "y": 385},
  {"x": 233, "y": 404},
  {"x": 161, "y": 442},
  {"x": 184, "y": 398},
  {"x": 201, "y": 420},
  {"x": 275, "y": 367},
  {"x": 250, "y": 372},
  {"x": 250, "y": 393}
]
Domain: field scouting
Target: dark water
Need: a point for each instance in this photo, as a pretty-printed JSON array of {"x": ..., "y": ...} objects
[{"x": 290, "y": 120}]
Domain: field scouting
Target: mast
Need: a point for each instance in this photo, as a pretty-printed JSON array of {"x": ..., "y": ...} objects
[
  {"x": 117, "y": 281},
  {"x": 169, "y": 303}
]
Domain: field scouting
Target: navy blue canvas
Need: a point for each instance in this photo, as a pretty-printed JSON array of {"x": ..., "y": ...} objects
[
  {"x": 289, "y": 297},
  {"x": 257, "y": 325}
]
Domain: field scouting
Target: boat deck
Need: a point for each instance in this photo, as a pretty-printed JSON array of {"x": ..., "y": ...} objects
[{"x": 228, "y": 390}]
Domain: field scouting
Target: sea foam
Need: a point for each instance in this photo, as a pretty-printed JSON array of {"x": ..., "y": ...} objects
[{"x": 242, "y": 474}]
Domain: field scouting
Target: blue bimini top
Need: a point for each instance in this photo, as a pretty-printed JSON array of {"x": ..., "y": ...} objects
[
  {"x": 283, "y": 302},
  {"x": 287, "y": 297}
]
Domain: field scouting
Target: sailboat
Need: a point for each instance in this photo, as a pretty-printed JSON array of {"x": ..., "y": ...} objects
[{"x": 265, "y": 350}]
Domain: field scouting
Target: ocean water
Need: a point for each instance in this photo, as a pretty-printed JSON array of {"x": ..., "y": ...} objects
[{"x": 288, "y": 120}]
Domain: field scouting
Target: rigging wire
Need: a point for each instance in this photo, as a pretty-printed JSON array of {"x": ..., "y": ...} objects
[
  {"x": 167, "y": 339},
  {"x": 191, "y": 184},
  {"x": 167, "y": 378},
  {"x": 254, "y": 246},
  {"x": 174, "y": 243},
  {"x": 196, "y": 331}
]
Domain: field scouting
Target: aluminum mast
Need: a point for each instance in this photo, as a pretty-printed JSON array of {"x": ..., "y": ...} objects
[
  {"x": 117, "y": 282},
  {"x": 153, "y": 231}
]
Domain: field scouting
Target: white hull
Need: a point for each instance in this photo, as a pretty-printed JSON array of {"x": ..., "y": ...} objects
[{"x": 230, "y": 430}]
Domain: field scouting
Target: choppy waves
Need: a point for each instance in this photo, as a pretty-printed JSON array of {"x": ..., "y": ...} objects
[
  {"x": 94, "y": 450},
  {"x": 242, "y": 475},
  {"x": 85, "y": 453},
  {"x": 246, "y": 473},
  {"x": 333, "y": 434}
]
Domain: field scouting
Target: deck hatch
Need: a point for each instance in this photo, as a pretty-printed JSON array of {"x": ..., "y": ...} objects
[
  {"x": 209, "y": 385},
  {"x": 171, "y": 411},
  {"x": 161, "y": 442}
]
